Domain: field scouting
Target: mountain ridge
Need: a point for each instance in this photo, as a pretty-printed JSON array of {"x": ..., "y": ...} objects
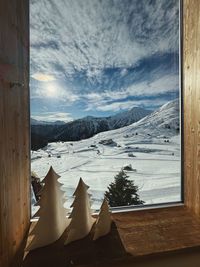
[
  {"x": 85, "y": 127},
  {"x": 88, "y": 126},
  {"x": 163, "y": 122}
]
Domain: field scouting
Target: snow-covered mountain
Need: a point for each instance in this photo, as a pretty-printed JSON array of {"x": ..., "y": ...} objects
[
  {"x": 165, "y": 119},
  {"x": 89, "y": 126},
  {"x": 135, "y": 122},
  {"x": 163, "y": 122},
  {"x": 127, "y": 117},
  {"x": 43, "y": 132}
]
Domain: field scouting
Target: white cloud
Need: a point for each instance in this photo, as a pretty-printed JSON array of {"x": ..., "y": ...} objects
[
  {"x": 91, "y": 46},
  {"x": 165, "y": 84},
  {"x": 117, "y": 106},
  {"x": 68, "y": 35},
  {"x": 124, "y": 72},
  {"x": 162, "y": 85},
  {"x": 53, "y": 116}
]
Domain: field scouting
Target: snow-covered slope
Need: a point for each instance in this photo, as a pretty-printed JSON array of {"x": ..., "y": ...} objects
[
  {"x": 127, "y": 117},
  {"x": 162, "y": 123},
  {"x": 151, "y": 146},
  {"x": 166, "y": 117},
  {"x": 89, "y": 126},
  {"x": 82, "y": 128}
]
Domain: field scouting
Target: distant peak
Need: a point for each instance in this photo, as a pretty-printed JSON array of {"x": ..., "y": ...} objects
[{"x": 88, "y": 117}]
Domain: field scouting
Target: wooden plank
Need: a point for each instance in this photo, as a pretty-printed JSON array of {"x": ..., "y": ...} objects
[
  {"x": 14, "y": 128},
  {"x": 153, "y": 231},
  {"x": 191, "y": 75}
]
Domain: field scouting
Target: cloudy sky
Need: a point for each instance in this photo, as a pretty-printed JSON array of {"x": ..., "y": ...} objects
[{"x": 100, "y": 57}]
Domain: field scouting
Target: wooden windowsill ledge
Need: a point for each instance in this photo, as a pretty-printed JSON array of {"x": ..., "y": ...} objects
[{"x": 134, "y": 234}]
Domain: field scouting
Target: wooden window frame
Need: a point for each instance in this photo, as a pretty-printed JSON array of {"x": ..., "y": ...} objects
[
  {"x": 173, "y": 227},
  {"x": 142, "y": 232}
]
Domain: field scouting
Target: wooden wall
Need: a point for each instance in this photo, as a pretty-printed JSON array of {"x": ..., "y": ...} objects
[
  {"x": 14, "y": 127},
  {"x": 191, "y": 74}
]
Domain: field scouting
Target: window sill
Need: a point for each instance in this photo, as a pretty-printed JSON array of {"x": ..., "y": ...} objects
[
  {"x": 161, "y": 230},
  {"x": 137, "y": 233}
]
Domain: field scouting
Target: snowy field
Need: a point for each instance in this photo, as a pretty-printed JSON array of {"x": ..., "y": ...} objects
[
  {"x": 156, "y": 163},
  {"x": 151, "y": 146}
]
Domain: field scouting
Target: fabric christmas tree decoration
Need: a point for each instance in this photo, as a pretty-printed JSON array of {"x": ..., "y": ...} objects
[
  {"x": 81, "y": 215},
  {"x": 52, "y": 214},
  {"x": 103, "y": 224}
]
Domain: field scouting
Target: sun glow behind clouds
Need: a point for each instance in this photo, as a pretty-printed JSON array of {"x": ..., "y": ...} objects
[{"x": 51, "y": 90}]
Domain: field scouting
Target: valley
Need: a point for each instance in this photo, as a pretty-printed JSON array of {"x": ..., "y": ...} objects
[{"x": 151, "y": 146}]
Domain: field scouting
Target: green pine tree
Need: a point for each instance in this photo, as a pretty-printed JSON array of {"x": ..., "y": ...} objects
[{"x": 122, "y": 192}]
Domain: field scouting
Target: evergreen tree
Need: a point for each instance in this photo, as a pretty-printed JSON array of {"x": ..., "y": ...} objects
[
  {"x": 81, "y": 215},
  {"x": 122, "y": 192},
  {"x": 52, "y": 214}
]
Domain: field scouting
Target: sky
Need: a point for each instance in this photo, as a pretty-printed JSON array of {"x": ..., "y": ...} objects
[{"x": 101, "y": 57}]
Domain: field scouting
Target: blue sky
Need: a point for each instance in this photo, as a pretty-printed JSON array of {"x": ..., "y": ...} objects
[{"x": 100, "y": 57}]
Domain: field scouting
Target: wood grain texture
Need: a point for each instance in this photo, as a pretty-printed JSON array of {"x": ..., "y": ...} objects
[
  {"x": 191, "y": 80},
  {"x": 14, "y": 127},
  {"x": 154, "y": 231}
]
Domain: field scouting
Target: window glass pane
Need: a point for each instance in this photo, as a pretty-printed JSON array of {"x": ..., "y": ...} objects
[{"x": 105, "y": 96}]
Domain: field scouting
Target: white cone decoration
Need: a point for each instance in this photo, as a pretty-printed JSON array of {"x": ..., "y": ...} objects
[
  {"x": 81, "y": 219},
  {"x": 103, "y": 224},
  {"x": 52, "y": 214}
]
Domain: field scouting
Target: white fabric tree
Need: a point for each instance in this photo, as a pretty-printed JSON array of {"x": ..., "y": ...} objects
[
  {"x": 103, "y": 224},
  {"x": 52, "y": 214},
  {"x": 81, "y": 215}
]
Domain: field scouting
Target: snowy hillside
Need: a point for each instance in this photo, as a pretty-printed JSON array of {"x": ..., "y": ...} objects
[
  {"x": 89, "y": 126},
  {"x": 151, "y": 146},
  {"x": 163, "y": 122},
  {"x": 167, "y": 117},
  {"x": 43, "y": 132},
  {"x": 127, "y": 117}
]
